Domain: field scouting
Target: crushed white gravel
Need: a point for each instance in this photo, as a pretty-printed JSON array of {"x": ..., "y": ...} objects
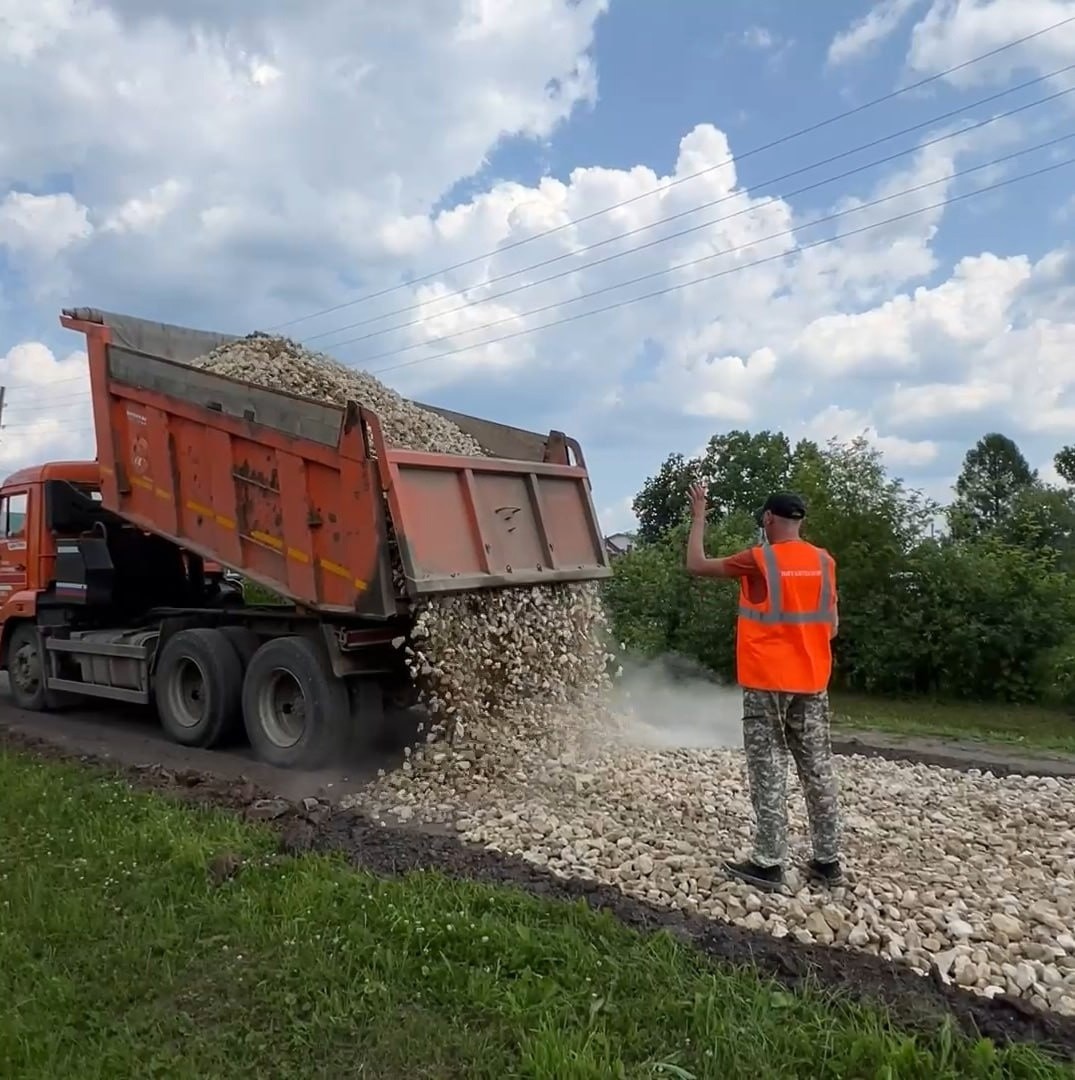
[{"x": 965, "y": 872}]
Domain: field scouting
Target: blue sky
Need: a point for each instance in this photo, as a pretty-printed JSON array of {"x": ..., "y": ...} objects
[{"x": 218, "y": 168}]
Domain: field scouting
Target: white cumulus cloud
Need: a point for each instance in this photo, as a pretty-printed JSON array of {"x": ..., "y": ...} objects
[
  {"x": 41, "y": 226},
  {"x": 239, "y": 166},
  {"x": 46, "y": 413},
  {"x": 867, "y": 32}
]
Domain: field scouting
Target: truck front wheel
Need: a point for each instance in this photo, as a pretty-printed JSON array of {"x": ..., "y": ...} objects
[
  {"x": 26, "y": 671},
  {"x": 199, "y": 687},
  {"x": 296, "y": 710}
]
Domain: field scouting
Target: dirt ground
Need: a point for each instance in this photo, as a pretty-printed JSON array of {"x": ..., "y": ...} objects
[
  {"x": 128, "y": 743},
  {"x": 130, "y": 736},
  {"x": 952, "y": 754}
]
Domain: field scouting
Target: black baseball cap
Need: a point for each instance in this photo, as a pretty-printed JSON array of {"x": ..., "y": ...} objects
[{"x": 785, "y": 504}]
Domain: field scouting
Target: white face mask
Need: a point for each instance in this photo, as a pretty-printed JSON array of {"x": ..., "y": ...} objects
[{"x": 762, "y": 538}]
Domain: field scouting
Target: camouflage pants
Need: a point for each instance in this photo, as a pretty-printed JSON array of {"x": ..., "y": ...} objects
[{"x": 773, "y": 724}]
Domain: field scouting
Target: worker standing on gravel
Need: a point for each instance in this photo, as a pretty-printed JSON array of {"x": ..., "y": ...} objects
[{"x": 787, "y": 619}]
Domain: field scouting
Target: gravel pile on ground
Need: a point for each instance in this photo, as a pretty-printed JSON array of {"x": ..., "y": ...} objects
[
  {"x": 961, "y": 871},
  {"x": 501, "y": 671}
]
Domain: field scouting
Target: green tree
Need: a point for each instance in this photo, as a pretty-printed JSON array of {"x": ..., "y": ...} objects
[
  {"x": 1042, "y": 519},
  {"x": 870, "y": 522},
  {"x": 706, "y": 630},
  {"x": 993, "y": 475},
  {"x": 985, "y": 616},
  {"x": 739, "y": 468},
  {"x": 662, "y": 502},
  {"x": 986, "y": 612},
  {"x": 646, "y": 597},
  {"x": 1064, "y": 462},
  {"x": 742, "y": 468},
  {"x": 657, "y": 608}
]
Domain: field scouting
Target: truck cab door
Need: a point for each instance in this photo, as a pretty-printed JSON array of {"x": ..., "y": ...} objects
[{"x": 14, "y": 554}]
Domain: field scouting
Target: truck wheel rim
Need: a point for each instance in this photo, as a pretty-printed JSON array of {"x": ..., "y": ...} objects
[
  {"x": 282, "y": 708},
  {"x": 186, "y": 694},
  {"x": 25, "y": 671}
]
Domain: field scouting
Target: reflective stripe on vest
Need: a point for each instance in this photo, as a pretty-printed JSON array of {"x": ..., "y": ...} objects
[{"x": 776, "y": 614}]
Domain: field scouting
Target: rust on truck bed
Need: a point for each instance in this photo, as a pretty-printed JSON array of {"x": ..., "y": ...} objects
[{"x": 299, "y": 494}]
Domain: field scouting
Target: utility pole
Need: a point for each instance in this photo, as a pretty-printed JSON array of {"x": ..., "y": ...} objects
[{"x": 3, "y": 391}]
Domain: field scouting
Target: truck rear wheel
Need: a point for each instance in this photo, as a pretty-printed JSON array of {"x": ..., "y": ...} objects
[
  {"x": 295, "y": 709},
  {"x": 245, "y": 642},
  {"x": 199, "y": 688}
]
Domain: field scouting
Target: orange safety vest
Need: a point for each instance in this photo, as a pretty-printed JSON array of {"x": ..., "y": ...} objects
[{"x": 784, "y": 643}]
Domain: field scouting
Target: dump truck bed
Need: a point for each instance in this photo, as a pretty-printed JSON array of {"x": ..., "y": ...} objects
[{"x": 308, "y": 498}]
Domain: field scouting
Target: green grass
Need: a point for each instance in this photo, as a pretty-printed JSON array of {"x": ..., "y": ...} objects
[
  {"x": 1024, "y": 727},
  {"x": 253, "y": 593},
  {"x": 119, "y": 957}
]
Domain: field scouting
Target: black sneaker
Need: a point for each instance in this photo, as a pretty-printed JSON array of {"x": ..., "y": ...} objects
[
  {"x": 825, "y": 873},
  {"x": 769, "y": 878}
]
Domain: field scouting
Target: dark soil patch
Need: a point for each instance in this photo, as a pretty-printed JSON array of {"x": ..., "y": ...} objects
[
  {"x": 919, "y": 750},
  {"x": 912, "y": 1001}
]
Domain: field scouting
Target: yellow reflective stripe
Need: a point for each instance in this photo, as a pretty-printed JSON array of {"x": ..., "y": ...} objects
[{"x": 776, "y": 613}]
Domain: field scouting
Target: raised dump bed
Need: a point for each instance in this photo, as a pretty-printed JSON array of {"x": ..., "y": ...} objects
[{"x": 307, "y": 498}]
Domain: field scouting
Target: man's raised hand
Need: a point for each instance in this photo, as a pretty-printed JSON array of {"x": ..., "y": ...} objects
[{"x": 699, "y": 501}]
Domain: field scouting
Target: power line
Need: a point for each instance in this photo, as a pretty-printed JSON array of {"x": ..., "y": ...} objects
[
  {"x": 673, "y": 217},
  {"x": 84, "y": 377},
  {"x": 69, "y": 422},
  {"x": 722, "y": 273},
  {"x": 810, "y": 129},
  {"x": 75, "y": 429},
  {"x": 728, "y": 251},
  {"x": 682, "y": 232},
  {"x": 68, "y": 402},
  {"x": 48, "y": 408},
  {"x": 835, "y": 216},
  {"x": 799, "y": 249}
]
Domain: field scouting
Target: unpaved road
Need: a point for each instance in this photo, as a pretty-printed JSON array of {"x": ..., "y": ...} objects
[
  {"x": 131, "y": 737},
  {"x": 951, "y": 754}
]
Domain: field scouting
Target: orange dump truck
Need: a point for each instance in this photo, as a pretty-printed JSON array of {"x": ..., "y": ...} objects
[{"x": 110, "y": 571}]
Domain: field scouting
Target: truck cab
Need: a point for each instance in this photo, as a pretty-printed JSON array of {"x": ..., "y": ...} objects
[
  {"x": 27, "y": 542},
  {"x": 43, "y": 510}
]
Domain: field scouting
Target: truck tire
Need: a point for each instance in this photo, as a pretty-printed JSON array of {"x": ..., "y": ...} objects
[
  {"x": 245, "y": 642},
  {"x": 296, "y": 711},
  {"x": 199, "y": 688},
  {"x": 26, "y": 671},
  {"x": 401, "y": 694}
]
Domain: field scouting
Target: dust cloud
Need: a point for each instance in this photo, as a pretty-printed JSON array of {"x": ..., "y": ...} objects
[{"x": 673, "y": 703}]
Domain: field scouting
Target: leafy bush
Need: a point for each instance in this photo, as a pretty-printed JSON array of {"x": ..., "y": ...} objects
[
  {"x": 256, "y": 594},
  {"x": 1055, "y": 674},
  {"x": 989, "y": 610}
]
